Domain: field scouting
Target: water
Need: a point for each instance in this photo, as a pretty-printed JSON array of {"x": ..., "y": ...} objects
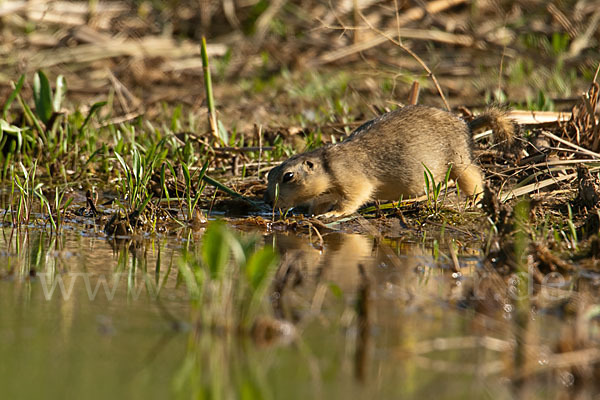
[{"x": 374, "y": 319}]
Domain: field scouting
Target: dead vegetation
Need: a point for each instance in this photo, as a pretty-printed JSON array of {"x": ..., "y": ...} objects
[
  {"x": 295, "y": 74},
  {"x": 143, "y": 56},
  {"x": 147, "y": 54}
]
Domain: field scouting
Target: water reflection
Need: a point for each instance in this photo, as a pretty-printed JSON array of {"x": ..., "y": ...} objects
[
  {"x": 401, "y": 272},
  {"x": 374, "y": 318}
]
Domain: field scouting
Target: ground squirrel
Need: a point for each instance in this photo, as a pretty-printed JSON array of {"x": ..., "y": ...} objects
[{"x": 384, "y": 159}]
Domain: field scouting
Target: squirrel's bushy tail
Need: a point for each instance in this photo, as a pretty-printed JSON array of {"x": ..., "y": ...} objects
[{"x": 505, "y": 129}]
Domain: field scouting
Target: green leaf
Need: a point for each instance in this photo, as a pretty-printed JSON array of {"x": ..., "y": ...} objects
[
  {"x": 67, "y": 203},
  {"x": 259, "y": 265},
  {"x": 203, "y": 171},
  {"x": 175, "y": 119},
  {"x": 447, "y": 177},
  {"x": 249, "y": 390},
  {"x": 215, "y": 249},
  {"x": 248, "y": 246},
  {"x": 59, "y": 93},
  {"x": 93, "y": 110},
  {"x": 144, "y": 204},
  {"x": 25, "y": 172},
  {"x": 122, "y": 162},
  {"x": 33, "y": 119},
  {"x": 186, "y": 175},
  {"x": 336, "y": 290},
  {"x": 42, "y": 96},
  {"x": 13, "y": 95},
  {"x": 137, "y": 167},
  {"x": 201, "y": 185},
  {"x": 190, "y": 279},
  {"x": 173, "y": 173},
  {"x": 8, "y": 128},
  {"x": 163, "y": 181},
  {"x": 45, "y": 202},
  {"x": 223, "y": 134},
  {"x": 90, "y": 158},
  {"x": 227, "y": 190}
]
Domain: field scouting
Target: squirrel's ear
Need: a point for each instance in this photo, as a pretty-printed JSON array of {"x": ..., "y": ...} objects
[{"x": 309, "y": 164}]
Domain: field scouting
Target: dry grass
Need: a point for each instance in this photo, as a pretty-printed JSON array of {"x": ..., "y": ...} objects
[{"x": 148, "y": 55}]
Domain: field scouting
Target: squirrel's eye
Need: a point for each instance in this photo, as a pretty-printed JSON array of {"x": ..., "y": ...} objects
[{"x": 288, "y": 176}]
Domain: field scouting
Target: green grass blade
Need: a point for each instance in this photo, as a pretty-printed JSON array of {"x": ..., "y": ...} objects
[
  {"x": 212, "y": 114},
  {"x": 90, "y": 158},
  {"x": 122, "y": 162},
  {"x": 163, "y": 182},
  {"x": 201, "y": 185},
  {"x": 203, "y": 170},
  {"x": 59, "y": 93},
  {"x": 95, "y": 107},
  {"x": 215, "y": 249},
  {"x": 33, "y": 119},
  {"x": 447, "y": 178},
  {"x": 190, "y": 279},
  {"x": 137, "y": 167},
  {"x": 186, "y": 176},
  {"x": 223, "y": 134},
  {"x": 144, "y": 204},
  {"x": 174, "y": 174},
  {"x": 46, "y": 203},
  {"x": 13, "y": 95},
  {"x": 259, "y": 265},
  {"x": 227, "y": 190}
]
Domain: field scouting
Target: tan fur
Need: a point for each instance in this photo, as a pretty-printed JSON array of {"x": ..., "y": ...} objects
[
  {"x": 383, "y": 160},
  {"x": 496, "y": 119}
]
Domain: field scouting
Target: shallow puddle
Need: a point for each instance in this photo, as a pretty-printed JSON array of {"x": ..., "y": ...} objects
[{"x": 88, "y": 317}]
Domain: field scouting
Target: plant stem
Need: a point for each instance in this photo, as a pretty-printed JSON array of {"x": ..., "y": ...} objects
[{"x": 212, "y": 114}]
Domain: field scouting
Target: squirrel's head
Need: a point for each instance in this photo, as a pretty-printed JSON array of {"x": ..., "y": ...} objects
[{"x": 297, "y": 181}]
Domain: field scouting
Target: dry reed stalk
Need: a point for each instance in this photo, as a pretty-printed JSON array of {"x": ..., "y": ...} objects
[
  {"x": 567, "y": 143},
  {"x": 413, "y": 55},
  {"x": 413, "y": 97},
  {"x": 64, "y": 13},
  {"x": 534, "y": 187},
  {"x": 147, "y": 47},
  {"x": 523, "y": 117}
]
